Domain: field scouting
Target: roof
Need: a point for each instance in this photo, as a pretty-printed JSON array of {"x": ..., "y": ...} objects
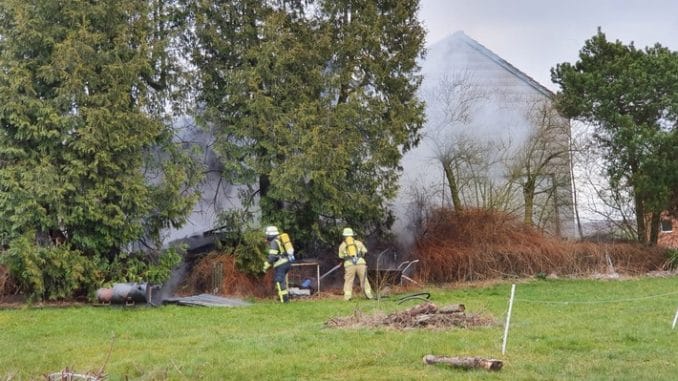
[{"x": 475, "y": 45}]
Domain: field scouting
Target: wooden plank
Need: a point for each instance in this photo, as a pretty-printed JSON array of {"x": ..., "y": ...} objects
[{"x": 464, "y": 362}]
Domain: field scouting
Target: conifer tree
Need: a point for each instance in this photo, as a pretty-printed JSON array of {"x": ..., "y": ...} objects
[
  {"x": 81, "y": 126},
  {"x": 629, "y": 96},
  {"x": 312, "y": 104}
]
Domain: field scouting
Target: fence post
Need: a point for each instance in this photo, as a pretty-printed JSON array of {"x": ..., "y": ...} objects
[{"x": 508, "y": 319}]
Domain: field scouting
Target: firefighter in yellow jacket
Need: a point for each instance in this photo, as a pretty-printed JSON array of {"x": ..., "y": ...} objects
[
  {"x": 280, "y": 256},
  {"x": 353, "y": 253}
]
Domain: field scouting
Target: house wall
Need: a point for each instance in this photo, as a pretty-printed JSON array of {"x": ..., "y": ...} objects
[
  {"x": 669, "y": 238},
  {"x": 499, "y": 115},
  {"x": 216, "y": 196}
]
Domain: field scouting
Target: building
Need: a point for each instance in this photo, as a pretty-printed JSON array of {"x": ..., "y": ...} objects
[
  {"x": 492, "y": 132},
  {"x": 668, "y": 232}
]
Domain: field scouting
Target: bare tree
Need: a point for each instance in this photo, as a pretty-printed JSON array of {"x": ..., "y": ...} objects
[
  {"x": 500, "y": 150},
  {"x": 419, "y": 209},
  {"x": 611, "y": 209},
  {"x": 540, "y": 166},
  {"x": 477, "y": 168},
  {"x": 454, "y": 100}
]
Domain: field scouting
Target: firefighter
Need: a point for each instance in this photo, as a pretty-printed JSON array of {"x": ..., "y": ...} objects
[
  {"x": 353, "y": 252},
  {"x": 280, "y": 259}
]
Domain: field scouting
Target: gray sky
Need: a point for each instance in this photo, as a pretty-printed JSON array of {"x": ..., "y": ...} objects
[{"x": 535, "y": 35}]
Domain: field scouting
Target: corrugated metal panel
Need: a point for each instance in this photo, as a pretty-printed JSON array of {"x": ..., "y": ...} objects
[{"x": 206, "y": 300}]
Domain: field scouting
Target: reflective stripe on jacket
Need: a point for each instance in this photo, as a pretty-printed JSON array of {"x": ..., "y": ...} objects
[{"x": 276, "y": 256}]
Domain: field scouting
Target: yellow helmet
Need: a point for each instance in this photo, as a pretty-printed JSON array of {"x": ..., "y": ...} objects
[
  {"x": 271, "y": 231},
  {"x": 348, "y": 232}
]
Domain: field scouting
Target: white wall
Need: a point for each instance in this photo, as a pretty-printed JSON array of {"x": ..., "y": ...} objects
[{"x": 500, "y": 116}]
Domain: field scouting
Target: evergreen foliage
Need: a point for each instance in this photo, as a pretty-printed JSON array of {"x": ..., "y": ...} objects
[
  {"x": 83, "y": 88},
  {"x": 312, "y": 104},
  {"x": 631, "y": 97}
]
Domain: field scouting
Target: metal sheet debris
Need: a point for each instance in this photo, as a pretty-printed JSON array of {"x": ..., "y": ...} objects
[{"x": 206, "y": 300}]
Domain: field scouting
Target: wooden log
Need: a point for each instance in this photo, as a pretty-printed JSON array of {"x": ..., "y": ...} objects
[
  {"x": 422, "y": 319},
  {"x": 426, "y": 308},
  {"x": 464, "y": 362},
  {"x": 452, "y": 308}
]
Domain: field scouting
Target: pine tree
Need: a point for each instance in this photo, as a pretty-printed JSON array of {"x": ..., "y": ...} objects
[{"x": 629, "y": 95}]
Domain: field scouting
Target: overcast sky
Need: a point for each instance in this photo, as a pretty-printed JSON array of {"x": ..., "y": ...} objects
[{"x": 535, "y": 35}]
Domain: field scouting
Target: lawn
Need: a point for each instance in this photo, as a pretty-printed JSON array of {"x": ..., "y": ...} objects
[{"x": 560, "y": 330}]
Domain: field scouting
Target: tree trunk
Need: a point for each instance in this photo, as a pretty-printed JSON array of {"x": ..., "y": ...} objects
[
  {"x": 528, "y": 200},
  {"x": 640, "y": 219},
  {"x": 464, "y": 362},
  {"x": 655, "y": 220},
  {"x": 454, "y": 189}
]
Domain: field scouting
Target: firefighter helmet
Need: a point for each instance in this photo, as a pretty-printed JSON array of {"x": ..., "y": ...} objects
[
  {"x": 271, "y": 231},
  {"x": 348, "y": 232}
]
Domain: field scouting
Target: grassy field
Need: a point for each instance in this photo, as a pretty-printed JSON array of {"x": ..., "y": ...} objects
[{"x": 560, "y": 330}]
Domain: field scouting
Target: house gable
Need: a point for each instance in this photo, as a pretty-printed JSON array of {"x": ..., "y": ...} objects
[
  {"x": 501, "y": 117},
  {"x": 475, "y": 45}
]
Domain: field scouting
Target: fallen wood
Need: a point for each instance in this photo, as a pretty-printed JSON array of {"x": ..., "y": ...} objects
[
  {"x": 452, "y": 308},
  {"x": 425, "y": 308},
  {"x": 71, "y": 376},
  {"x": 464, "y": 362}
]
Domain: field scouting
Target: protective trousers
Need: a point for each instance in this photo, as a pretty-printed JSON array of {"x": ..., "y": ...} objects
[
  {"x": 350, "y": 272},
  {"x": 280, "y": 281}
]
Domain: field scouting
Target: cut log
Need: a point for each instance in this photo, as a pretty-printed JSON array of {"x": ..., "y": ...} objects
[
  {"x": 464, "y": 362},
  {"x": 421, "y": 309},
  {"x": 452, "y": 308}
]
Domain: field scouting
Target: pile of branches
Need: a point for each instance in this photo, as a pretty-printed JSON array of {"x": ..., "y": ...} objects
[
  {"x": 426, "y": 315},
  {"x": 478, "y": 244}
]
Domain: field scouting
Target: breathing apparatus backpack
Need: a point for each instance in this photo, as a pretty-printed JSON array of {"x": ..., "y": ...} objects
[
  {"x": 352, "y": 249},
  {"x": 287, "y": 246}
]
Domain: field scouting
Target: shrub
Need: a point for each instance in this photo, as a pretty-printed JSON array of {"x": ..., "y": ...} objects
[
  {"x": 672, "y": 258},
  {"x": 250, "y": 252},
  {"x": 151, "y": 267},
  {"x": 50, "y": 272},
  {"x": 482, "y": 244}
]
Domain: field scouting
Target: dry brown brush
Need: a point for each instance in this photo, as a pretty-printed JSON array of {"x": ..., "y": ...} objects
[
  {"x": 4, "y": 276},
  {"x": 482, "y": 244},
  {"x": 221, "y": 267}
]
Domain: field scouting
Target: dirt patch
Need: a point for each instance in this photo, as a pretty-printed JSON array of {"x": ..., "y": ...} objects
[{"x": 426, "y": 315}]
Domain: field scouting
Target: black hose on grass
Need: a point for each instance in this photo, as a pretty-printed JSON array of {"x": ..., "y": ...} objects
[{"x": 418, "y": 296}]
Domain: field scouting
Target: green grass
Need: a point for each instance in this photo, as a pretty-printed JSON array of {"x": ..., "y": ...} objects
[{"x": 560, "y": 330}]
